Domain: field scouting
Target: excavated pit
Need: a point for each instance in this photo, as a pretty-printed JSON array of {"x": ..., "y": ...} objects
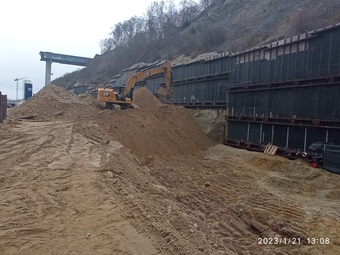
[{"x": 76, "y": 178}]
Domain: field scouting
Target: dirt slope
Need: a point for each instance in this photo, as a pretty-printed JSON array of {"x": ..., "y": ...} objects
[
  {"x": 246, "y": 24},
  {"x": 227, "y": 25},
  {"x": 149, "y": 181}
]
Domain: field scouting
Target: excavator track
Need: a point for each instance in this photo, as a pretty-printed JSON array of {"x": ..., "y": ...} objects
[{"x": 112, "y": 106}]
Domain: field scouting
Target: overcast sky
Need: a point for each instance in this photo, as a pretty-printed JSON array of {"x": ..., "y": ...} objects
[{"x": 70, "y": 27}]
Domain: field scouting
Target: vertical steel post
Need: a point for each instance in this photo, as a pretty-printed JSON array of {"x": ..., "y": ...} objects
[
  {"x": 287, "y": 138},
  {"x": 248, "y": 131},
  {"x": 272, "y": 140},
  {"x": 305, "y": 140},
  {"x": 48, "y": 72}
]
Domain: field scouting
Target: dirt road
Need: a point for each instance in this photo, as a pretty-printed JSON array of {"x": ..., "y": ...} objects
[{"x": 51, "y": 199}]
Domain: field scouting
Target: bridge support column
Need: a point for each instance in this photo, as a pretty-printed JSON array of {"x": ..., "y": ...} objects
[{"x": 48, "y": 72}]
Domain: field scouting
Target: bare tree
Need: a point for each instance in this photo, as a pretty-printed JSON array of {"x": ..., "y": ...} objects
[
  {"x": 106, "y": 45},
  {"x": 155, "y": 19},
  {"x": 173, "y": 20},
  {"x": 160, "y": 21},
  {"x": 189, "y": 9},
  {"x": 205, "y": 3}
]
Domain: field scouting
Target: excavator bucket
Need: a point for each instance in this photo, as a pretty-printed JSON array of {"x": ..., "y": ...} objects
[
  {"x": 126, "y": 106},
  {"x": 134, "y": 106}
]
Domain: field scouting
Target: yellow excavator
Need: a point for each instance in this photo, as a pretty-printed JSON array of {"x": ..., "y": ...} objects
[{"x": 121, "y": 97}]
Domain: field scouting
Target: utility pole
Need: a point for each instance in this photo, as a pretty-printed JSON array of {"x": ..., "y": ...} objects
[{"x": 17, "y": 80}]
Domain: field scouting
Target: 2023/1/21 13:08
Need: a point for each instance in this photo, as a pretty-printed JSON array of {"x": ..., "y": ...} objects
[{"x": 293, "y": 241}]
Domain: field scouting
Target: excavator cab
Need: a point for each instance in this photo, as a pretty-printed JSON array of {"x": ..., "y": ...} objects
[
  {"x": 120, "y": 93},
  {"x": 113, "y": 98}
]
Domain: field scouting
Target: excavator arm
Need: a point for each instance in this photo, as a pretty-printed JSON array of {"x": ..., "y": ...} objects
[{"x": 166, "y": 68}]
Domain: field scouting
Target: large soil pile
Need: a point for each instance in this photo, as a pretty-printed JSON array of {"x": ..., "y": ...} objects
[
  {"x": 149, "y": 130},
  {"x": 154, "y": 129},
  {"x": 53, "y": 102}
]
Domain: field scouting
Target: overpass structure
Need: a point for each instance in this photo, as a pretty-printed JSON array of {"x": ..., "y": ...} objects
[{"x": 50, "y": 57}]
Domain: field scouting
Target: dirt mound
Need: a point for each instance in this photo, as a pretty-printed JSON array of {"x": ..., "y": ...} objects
[
  {"x": 155, "y": 129},
  {"x": 52, "y": 102},
  {"x": 145, "y": 99},
  {"x": 91, "y": 101}
]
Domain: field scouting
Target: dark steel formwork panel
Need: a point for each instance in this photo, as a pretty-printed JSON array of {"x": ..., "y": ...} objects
[
  {"x": 284, "y": 104},
  {"x": 201, "y": 69},
  {"x": 300, "y": 65},
  {"x": 331, "y": 159},
  {"x": 231, "y": 67},
  {"x": 316, "y": 135},
  {"x": 255, "y": 133},
  {"x": 237, "y": 131},
  {"x": 332, "y": 136},
  {"x": 335, "y": 54},
  {"x": 256, "y": 73},
  {"x": 238, "y": 103},
  {"x": 284, "y": 136},
  {"x": 28, "y": 90},
  {"x": 285, "y": 67},
  {"x": 153, "y": 84},
  {"x": 265, "y": 71},
  {"x": 297, "y": 138},
  {"x": 248, "y": 103},
  {"x": 323, "y": 50},
  {"x": 327, "y": 99},
  {"x": 325, "y": 54},
  {"x": 275, "y": 103},
  {"x": 298, "y": 101},
  {"x": 280, "y": 136},
  {"x": 3, "y": 107},
  {"x": 238, "y": 74},
  {"x": 245, "y": 74},
  {"x": 214, "y": 90},
  {"x": 277, "y": 69},
  {"x": 266, "y": 134},
  {"x": 314, "y": 102},
  {"x": 292, "y": 67},
  {"x": 80, "y": 90},
  {"x": 271, "y": 75}
]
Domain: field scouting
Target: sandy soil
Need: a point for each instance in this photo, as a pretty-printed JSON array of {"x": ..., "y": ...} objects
[
  {"x": 52, "y": 198},
  {"x": 79, "y": 180}
]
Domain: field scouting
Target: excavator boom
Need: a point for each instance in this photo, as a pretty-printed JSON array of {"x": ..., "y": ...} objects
[{"x": 166, "y": 68}]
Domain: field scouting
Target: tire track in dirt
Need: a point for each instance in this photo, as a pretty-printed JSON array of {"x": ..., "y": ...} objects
[{"x": 52, "y": 201}]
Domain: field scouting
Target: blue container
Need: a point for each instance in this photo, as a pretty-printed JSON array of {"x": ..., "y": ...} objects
[{"x": 28, "y": 90}]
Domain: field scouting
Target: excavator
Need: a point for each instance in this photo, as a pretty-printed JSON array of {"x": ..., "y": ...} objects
[{"x": 122, "y": 97}]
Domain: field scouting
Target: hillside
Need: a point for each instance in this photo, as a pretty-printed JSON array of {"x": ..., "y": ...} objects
[
  {"x": 248, "y": 23},
  {"x": 226, "y": 25}
]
